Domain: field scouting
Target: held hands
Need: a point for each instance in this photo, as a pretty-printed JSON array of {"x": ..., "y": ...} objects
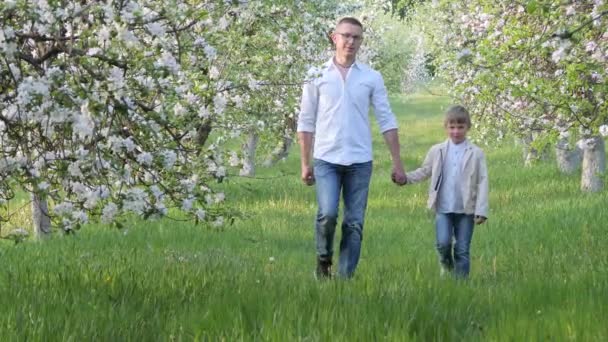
[
  {"x": 308, "y": 176},
  {"x": 480, "y": 219},
  {"x": 398, "y": 175}
]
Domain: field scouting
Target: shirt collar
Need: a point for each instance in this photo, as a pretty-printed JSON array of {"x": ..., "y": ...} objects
[
  {"x": 449, "y": 142},
  {"x": 330, "y": 64}
]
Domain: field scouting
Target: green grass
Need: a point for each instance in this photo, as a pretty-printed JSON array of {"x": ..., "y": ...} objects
[{"x": 538, "y": 265}]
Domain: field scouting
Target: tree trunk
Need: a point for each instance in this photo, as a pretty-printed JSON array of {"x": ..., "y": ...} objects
[
  {"x": 249, "y": 148},
  {"x": 280, "y": 153},
  {"x": 532, "y": 154},
  {"x": 594, "y": 165},
  {"x": 41, "y": 218},
  {"x": 568, "y": 158},
  {"x": 202, "y": 134}
]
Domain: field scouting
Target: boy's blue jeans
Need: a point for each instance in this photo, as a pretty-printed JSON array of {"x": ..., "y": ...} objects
[
  {"x": 454, "y": 235},
  {"x": 353, "y": 181}
]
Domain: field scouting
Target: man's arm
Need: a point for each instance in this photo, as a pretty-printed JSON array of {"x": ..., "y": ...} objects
[
  {"x": 388, "y": 126},
  {"x": 392, "y": 141},
  {"x": 306, "y": 128},
  {"x": 307, "y": 174}
]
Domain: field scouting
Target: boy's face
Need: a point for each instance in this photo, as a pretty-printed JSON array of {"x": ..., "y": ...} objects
[{"x": 457, "y": 132}]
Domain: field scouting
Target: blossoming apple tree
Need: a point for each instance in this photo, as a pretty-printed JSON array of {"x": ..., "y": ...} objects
[
  {"x": 537, "y": 69},
  {"x": 115, "y": 107}
]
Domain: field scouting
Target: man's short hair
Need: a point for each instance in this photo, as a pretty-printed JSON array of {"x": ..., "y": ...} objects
[
  {"x": 457, "y": 114},
  {"x": 350, "y": 20}
]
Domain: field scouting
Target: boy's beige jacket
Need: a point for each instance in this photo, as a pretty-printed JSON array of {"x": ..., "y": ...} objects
[{"x": 473, "y": 182}]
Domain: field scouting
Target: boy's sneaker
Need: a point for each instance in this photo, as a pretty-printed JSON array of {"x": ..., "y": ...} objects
[{"x": 323, "y": 270}]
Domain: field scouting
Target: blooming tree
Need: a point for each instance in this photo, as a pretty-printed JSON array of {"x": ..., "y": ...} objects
[
  {"x": 536, "y": 69},
  {"x": 115, "y": 107}
]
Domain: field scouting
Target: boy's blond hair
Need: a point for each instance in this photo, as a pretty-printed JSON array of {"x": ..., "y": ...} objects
[{"x": 457, "y": 114}]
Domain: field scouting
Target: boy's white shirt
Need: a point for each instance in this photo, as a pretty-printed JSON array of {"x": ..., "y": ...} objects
[
  {"x": 473, "y": 177},
  {"x": 449, "y": 200}
]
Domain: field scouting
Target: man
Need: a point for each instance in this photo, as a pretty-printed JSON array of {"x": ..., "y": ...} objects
[{"x": 334, "y": 110}]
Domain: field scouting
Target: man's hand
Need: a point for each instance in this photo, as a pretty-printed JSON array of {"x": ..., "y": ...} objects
[
  {"x": 398, "y": 175},
  {"x": 392, "y": 141},
  {"x": 308, "y": 176},
  {"x": 480, "y": 219},
  {"x": 305, "y": 140}
]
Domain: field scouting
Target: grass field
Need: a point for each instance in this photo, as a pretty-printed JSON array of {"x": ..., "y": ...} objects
[{"x": 539, "y": 265}]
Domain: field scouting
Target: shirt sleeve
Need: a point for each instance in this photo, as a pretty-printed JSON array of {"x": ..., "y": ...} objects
[
  {"x": 308, "y": 107},
  {"x": 382, "y": 108}
]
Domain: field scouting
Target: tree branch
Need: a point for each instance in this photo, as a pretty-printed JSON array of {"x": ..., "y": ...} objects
[{"x": 42, "y": 38}]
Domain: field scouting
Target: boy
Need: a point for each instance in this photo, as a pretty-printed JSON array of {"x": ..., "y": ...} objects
[{"x": 458, "y": 192}]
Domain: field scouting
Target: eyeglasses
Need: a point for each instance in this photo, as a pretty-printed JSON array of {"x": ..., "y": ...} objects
[{"x": 348, "y": 36}]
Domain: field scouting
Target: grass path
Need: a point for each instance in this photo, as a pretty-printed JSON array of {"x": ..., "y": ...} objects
[{"x": 538, "y": 265}]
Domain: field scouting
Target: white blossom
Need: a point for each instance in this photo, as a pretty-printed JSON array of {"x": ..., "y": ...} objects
[
  {"x": 135, "y": 201},
  {"x": 234, "y": 159},
  {"x": 74, "y": 169},
  {"x": 219, "y": 103},
  {"x": 63, "y": 208},
  {"x": 200, "y": 214},
  {"x": 156, "y": 29},
  {"x": 187, "y": 204},
  {"x": 109, "y": 212},
  {"x": 43, "y": 186},
  {"x": 169, "y": 159},
  {"x": 561, "y": 52},
  {"x": 463, "y": 54},
  {"x": 167, "y": 60},
  {"x": 570, "y": 11},
  {"x": 218, "y": 222},
  {"x": 590, "y": 46},
  {"x": 214, "y": 73},
  {"x": 128, "y": 144},
  {"x": 145, "y": 158}
]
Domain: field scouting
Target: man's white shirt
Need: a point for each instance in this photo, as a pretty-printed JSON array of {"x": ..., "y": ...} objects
[{"x": 337, "y": 112}]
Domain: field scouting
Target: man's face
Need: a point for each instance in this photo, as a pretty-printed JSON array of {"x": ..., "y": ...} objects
[
  {"x": 457, "y": 132},
  {"x": 347, "y": 38}
]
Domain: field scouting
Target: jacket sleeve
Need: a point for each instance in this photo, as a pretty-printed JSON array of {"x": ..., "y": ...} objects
[
  {"x": 481, "y": 205},
  {"x": 423, "y": 172}
]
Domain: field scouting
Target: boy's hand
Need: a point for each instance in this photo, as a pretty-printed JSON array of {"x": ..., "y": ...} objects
[
  {"x": 480, "y": 219},
  {"x": 398, "y": 175}
]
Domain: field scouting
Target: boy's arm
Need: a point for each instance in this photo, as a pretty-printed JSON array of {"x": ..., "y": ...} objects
[
  {"x": 423, "y": 172},
  {"x": 481, "y": 206}
]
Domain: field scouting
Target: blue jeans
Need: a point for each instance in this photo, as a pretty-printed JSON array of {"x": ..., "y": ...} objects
[
  {"x": 353, "y": 181},
  {"x": 454, "y": 234}
]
